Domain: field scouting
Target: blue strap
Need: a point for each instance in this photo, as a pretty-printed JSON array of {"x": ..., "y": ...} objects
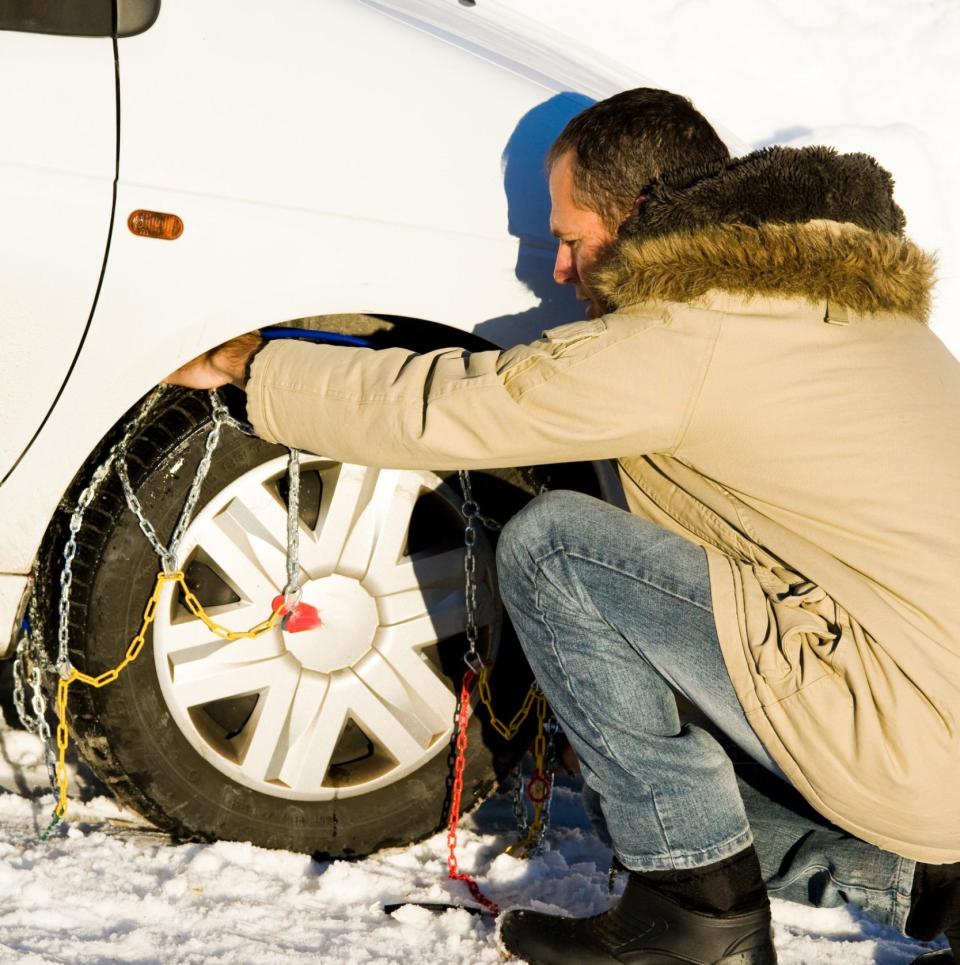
[{"x": 272, "y": 332}]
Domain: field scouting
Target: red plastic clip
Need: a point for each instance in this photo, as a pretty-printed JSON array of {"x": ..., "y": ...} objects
[{"x": 302, "y": 617}]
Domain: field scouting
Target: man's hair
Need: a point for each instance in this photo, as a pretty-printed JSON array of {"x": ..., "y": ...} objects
[{"x": 622, "y": 143}]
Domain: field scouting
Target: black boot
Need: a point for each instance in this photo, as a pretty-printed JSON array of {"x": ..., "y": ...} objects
[
  {"x": 717, "y": 915},
  {"x": 935, "y": 909}
]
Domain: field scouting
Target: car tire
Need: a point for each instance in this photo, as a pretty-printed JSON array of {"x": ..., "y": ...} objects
[{"x": 182, "y": 764}]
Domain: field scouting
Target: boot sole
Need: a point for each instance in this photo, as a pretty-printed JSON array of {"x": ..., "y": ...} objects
[{"x": 755, "y": 956}]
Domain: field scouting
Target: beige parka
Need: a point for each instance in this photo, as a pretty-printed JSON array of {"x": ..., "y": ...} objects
[{"x": 772, "y": 393}]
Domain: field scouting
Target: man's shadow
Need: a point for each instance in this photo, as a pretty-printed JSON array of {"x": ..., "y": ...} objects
[{"x": 528, "y": 212}]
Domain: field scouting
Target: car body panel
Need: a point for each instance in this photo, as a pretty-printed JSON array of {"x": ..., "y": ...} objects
[
  {"x": 381, "y": 156},
  {"x": 56, "y": 188}
]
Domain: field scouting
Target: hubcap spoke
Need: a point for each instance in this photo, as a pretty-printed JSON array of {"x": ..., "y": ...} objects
[
  {"x": 347, "y": 490},
  {"x": 416, "y": 573},
  {"x": 308, "y": 762},
  {"x": 364, "y": 664},
  {"x": 245, "y": 553},
  {"x": 423, "y": 619},
  {"x": 205, "y": 681},
  {"x": 410, "y": 687},
  {"x": 264, "y": 740}
]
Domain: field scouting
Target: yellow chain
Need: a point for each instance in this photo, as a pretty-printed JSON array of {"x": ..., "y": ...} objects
[
  {"x": 133, "y": 651},
  {"x": 506, "y": 731},
  {"x": 523, "y": 847}
]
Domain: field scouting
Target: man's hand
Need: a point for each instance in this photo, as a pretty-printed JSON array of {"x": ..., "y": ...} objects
[{"x": 224, "y": 365}]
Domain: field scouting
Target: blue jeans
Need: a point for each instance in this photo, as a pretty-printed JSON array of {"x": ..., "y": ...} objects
[{"x": 614, "y": 615}]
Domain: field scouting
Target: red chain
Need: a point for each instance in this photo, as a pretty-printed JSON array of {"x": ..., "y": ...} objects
[{"x": 462, "y": 722}]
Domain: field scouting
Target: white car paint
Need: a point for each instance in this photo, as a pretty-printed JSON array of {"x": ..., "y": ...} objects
[
  {"x": 57, "y": 163},
  {"x": 335, "y": 156}
]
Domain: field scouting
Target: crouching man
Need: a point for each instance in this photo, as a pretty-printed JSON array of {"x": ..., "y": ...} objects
[{"x": 786, "y": 427}]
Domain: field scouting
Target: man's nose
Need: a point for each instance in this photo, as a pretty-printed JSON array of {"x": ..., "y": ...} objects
[{"x": 564, "y": 270}]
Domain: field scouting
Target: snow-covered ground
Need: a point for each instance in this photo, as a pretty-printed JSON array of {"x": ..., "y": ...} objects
[
  {"x": 106, "y": 889},
  {"x": 880, "y": 76}
]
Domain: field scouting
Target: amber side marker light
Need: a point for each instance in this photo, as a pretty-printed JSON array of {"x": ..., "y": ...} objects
[{"x": 155, "y": 224}]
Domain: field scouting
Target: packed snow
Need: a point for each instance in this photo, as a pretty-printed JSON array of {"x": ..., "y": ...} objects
[
  {"x": 107, "y": 889},
  {"x": 863, "y": 75}
]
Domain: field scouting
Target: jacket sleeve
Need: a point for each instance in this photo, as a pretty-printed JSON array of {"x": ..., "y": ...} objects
[{"x": 613, "y": 386}]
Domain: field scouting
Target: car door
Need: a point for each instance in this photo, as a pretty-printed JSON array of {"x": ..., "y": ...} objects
[{"x": 58, "y": 111}]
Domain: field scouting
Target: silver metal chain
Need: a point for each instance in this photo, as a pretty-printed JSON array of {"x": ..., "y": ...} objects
[
  {"x": 31, "y": 654},
  {"x": 552, "y": 727},
  {"x": 115, "y": 456},
  {"x": 291, "y": 592},
  {"x": 168, "y": 554},
  {"x": 520, "y": 807},
  {"x": 471, "y": 514},
  {"x": 29, "y": 667},
  {"x": 476, "y": 662}
]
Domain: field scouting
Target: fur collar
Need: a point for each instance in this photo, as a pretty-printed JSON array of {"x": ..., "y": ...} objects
[{"x": 782, "y": 222}]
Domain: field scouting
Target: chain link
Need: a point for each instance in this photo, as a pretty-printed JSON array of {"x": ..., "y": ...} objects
[
  {"x": 470, "y": 511},
  {"x": 168, "y": 554},
  {"x": 478, "y": 663},
  {"x": 539, "y": 790},
  {"x": 291, "y": 592},
  {"x": 133, "y": 651},
  {"x": 461, "y": 723},
  {"x": 31, "y": 662},
  {"x": 519, "y": 807},
  {"x": 117, "y": 458},
  {"x": 222, "y": 414},
  {"x": 76, "y": 521},
  {"x": 540, "y": 786}
]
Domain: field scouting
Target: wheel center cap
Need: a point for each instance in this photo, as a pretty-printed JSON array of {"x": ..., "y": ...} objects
[{"x": 348, "y": 624}]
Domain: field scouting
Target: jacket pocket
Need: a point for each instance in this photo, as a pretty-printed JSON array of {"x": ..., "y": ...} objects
[
  {"x": 528, "y": 366},
  {"x": 803, "y": 632},
  {"x": 563, "y": 338}
]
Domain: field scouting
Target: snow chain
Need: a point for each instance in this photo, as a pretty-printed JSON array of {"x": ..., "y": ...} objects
[
  {"x": 31, "y": 659},
  {"x": 116, "y": 459},
  {"x": 539, "y": 788}
]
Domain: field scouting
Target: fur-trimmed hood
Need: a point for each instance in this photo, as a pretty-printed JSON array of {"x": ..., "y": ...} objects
[{"x": 781, "y": 222}]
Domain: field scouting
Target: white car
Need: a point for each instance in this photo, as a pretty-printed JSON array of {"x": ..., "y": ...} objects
[{"x": 364, "y": 166}]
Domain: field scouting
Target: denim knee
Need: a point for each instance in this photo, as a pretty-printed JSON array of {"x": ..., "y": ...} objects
[{"x": 541, "y": 524}]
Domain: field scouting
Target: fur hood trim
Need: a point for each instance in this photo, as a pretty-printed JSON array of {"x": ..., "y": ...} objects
[
  {"x": 780, "y": 222},
  {"x": 820, "y": 261}
]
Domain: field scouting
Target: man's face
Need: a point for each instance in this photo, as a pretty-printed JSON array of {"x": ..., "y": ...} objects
[{"x": 581, "y": 233}]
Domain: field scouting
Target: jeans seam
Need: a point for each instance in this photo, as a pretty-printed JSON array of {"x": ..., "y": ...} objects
[
  {"x": 740, "y": 841},
  {"x": 902, "y": 898},
  {"x": 660, "y": 820},
  {"x": 541, "y": 613},
  {"x": 583, "y": 598},
  {"x": 839, "y": 882},
  {"x": 634, "y": 576}
]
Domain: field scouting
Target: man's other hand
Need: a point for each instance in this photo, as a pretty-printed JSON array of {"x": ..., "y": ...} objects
[{"x": 224, "y": 365}]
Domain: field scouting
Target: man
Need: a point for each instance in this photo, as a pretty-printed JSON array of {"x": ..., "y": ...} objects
[{"x": 756, "y": 358}]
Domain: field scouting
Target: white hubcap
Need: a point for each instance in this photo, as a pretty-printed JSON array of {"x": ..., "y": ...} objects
[
  {"x": 349, "y": 622},
  {"x": 355, "y": 703}
]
